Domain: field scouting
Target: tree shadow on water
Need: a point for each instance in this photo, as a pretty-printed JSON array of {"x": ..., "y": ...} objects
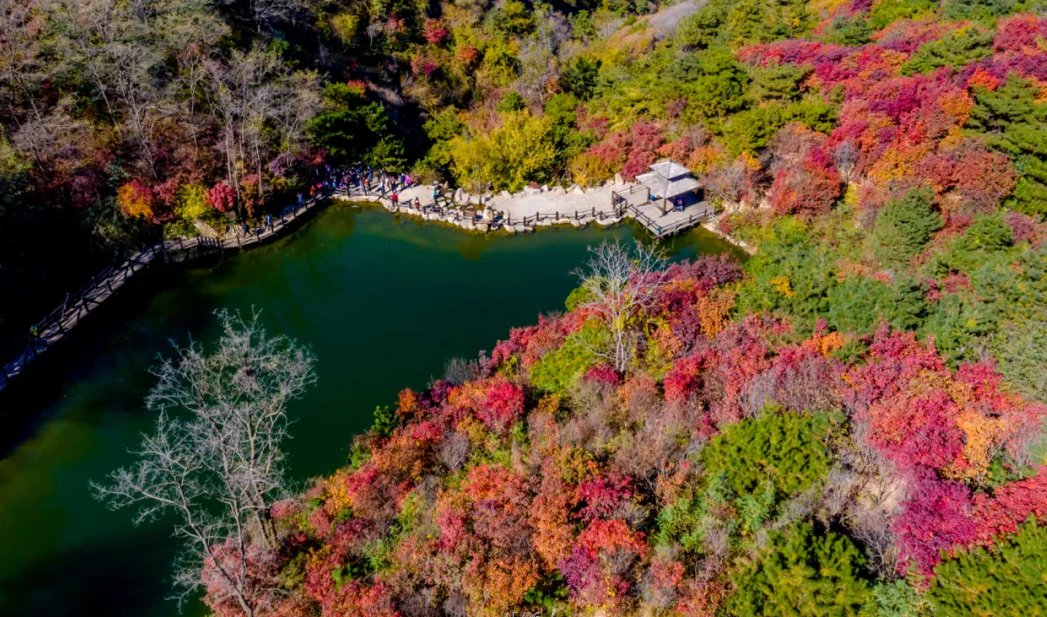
[{"x": 128, "y": 578}]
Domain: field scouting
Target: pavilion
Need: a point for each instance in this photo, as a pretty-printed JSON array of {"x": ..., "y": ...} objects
[{"x": 668, "y": 181}]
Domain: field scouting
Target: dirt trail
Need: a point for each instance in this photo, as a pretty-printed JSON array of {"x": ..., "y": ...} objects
[{"x": 664, "y": 22}]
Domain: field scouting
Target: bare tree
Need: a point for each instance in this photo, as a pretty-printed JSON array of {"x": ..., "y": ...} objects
[
  {"x": 263, "y": 110},
  {"x": 111, "y": 42},
  {"x": 845, "y": 156},
  {"x": 190, "y": 34},
  {"x": 729, "y": 183},
  {"x": 214, "y": 460},
  {"x": 620, "y": 283},
  {"x": 22, "y": 70},
  {"x": 267, "y": 13}
]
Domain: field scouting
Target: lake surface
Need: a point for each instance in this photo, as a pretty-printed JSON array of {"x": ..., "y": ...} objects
[{"x": 382, "y": 301}]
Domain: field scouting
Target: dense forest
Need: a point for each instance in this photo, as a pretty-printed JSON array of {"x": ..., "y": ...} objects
[
  {"x": 739, "y": 465},
  {"x": 849, "y": 423}
]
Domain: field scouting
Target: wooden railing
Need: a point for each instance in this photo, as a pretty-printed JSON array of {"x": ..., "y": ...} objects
[
  {"x": 682, "y": 224},
  {"x": 54, "y": 326},
  {"x": 618, "y": 198},
  {"x": 645, "y": 220},
  {"x": 533, "y": 220}
]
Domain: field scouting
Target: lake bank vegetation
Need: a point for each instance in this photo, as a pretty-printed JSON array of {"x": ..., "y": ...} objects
[{"x": 655, "y": 450}]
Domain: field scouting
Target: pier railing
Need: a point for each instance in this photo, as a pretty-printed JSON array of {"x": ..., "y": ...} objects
[
  {"x": 659, "y": 230},
  {"x": 683, "y": 224},
  {"x": 577, "y": 216}
]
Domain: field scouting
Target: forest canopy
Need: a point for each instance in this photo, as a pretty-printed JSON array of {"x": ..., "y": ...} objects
[{"x": 854, "y": 417}]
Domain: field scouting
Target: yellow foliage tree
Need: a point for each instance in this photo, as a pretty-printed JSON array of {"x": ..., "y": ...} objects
[
  {"x": 588, "y": 169},
  {"x": 191, "y": 202},
  {"x": 520, "y": 150}
]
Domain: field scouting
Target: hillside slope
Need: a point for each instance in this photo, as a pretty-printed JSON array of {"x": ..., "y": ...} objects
[{"x": 737, "y": 465}]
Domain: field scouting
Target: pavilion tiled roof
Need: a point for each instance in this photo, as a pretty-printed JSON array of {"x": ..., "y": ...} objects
[
  {"x": 670, "y": 169},
  {"x": 667, "y": 179}
]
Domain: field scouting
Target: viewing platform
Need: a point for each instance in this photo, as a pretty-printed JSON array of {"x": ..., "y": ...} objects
[{"x": 665, "y": 201}]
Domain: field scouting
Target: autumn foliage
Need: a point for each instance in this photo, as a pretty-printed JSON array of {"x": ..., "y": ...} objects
[{"x": 493, "y": 494}]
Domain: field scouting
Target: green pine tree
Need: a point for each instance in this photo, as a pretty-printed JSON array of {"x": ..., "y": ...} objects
[
  {"x": 904, "y": 226},
  {"x": 1013, "y": 120},
  {"x": 1007, "y": 581},
  {"x": 802, "y": 573}
]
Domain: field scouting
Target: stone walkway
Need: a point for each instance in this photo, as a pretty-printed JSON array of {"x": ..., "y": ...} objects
[{"x": 536, "y": 207}]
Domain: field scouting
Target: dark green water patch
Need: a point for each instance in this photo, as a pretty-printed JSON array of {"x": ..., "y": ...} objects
[{"x": 383, "y": 302}]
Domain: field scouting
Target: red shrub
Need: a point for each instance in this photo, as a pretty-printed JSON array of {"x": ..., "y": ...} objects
[
  {"x": 936, "y": 518},
  {"x": 603, "y": 495},
  {"x": 597, "y": 568},
  {"x": 222, "y": 197},
  {"x": 1009, "y": 506},
  {"x": 434, "y": 31}
]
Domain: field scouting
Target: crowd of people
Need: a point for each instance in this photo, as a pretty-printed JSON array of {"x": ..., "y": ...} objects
[
  {"x": 370, "y": 181},
  {"x": 367, "y": 180}
]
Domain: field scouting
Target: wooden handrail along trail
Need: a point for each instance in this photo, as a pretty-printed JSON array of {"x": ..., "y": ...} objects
[{"x": 57, "y": 324}]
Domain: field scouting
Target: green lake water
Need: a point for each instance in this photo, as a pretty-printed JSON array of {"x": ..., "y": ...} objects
[{"x": 383, "y": 302}]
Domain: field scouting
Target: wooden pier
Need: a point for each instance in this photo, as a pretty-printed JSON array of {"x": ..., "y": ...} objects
[{"x": 635, "y": 202}]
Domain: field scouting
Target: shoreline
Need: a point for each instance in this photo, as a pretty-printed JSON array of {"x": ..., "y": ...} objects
[
  {"x": 60, "y": 322},
  {"x": 711, "y": 227},
  {"x": 606, "y": 204}
]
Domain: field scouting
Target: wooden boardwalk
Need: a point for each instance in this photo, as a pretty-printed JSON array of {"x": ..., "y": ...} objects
[
  {"x": 57, "y": 324},
  {"x": 602, "y": 206}
]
